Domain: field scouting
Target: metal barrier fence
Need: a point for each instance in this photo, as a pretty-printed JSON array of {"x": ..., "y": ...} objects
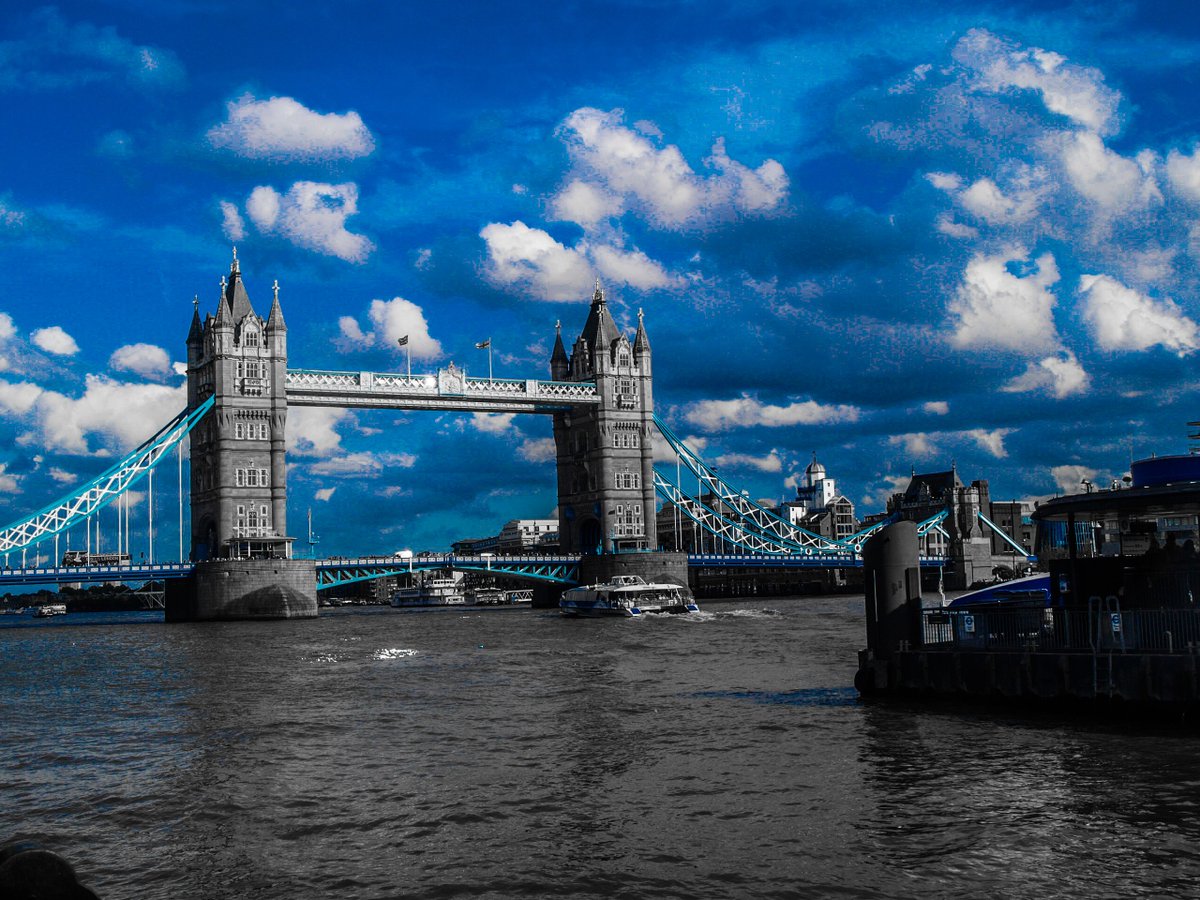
[{"x": 1103, "y": 626}]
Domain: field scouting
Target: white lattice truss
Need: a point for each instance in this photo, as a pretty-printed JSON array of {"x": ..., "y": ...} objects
[
  {"x": 102, "y": 490},
  {"x": 739, "y": 533},
  {"x": 933, "y": 523},
  {"x": 445, "y": 389},
  {"x": 751, "y": 517}
]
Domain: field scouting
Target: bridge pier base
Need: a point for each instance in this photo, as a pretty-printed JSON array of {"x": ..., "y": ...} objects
[
  {"x": 233, "y": 589},
  {"x": 651, "y": 565}
]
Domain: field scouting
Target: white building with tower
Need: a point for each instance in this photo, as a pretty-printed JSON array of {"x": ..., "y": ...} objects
[{"x": 818, "y": 506}]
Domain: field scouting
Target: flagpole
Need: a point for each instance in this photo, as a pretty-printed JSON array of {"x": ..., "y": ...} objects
[
  {"x": 403, "y": 342},
  {"x": 487, "y": 345}
]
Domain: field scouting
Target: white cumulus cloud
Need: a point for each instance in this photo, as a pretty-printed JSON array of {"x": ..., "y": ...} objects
[
  {"x": 282, "y": 129},
  {"x": 916, "y": 444},
  {"x": 9, "y": 483},
  {"x": 123, "y": 415},
  {"x": 991, "y": 441},
  {"x": 769, "y": 463},
  {"x": 746, "y": 411},
  {"x": 631, "y": 267},
  {"x": 1113, "y": 183},
  {"x": 1068, "y": 478},
  {"x": 584, "y": 203},
  {"x": 1067, "y": 89},
  {"x": 531, "y": 258},
  {"x": 311, "y": 215},
  {"x": 390, "y": 321},
  {"x": 141, "y": 359},
  {"x": 537, "y": 449},
  {"x": 923, "y": 445},
  {"x": 55, "y": 340},
  {"x": 312, "y": 430},
  {"x": 625, "y": 168},
  {"x": 492, "y": 423},
  {"x": 232, "y": 223},
  {"x": 1183, "y": 173},
  {"x": 18, "y": 398},
  {"x": 362, "y": 463},
  {"x": 1060, "y": 374},
  {"x": 1122, "y": 319},
  {"x": 994, "y": 308}
]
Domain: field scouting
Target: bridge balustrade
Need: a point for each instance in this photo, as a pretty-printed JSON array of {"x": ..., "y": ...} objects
[{"x": 317, "y": 387}]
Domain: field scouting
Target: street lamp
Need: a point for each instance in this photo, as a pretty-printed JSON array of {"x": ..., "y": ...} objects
[
  {"x": 1086, "y": 485},
  {"x": 407, "y": 554},
  {"x": 487, "y": 560}
]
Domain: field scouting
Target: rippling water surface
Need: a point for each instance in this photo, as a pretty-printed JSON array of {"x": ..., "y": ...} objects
[{"x": 379, "y": 753}]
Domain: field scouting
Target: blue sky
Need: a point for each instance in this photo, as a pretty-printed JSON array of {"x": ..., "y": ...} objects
[{"x": 962, "y": 232}]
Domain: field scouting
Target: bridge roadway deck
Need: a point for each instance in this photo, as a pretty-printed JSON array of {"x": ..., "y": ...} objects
[
  {"x": 443, "y": 390},
  {"x": 328, "y": 569}
]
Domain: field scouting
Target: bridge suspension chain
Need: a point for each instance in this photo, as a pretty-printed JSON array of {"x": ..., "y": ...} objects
[
  {"x": 764, "y": 521},
  {"x": 103, "y": 489},
  {"x": 726, "y": 529}
]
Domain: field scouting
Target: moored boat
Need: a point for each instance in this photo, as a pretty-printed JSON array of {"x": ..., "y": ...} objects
[
  {"x": 1032, "y": 591},
  {"x": 494, "y": 596},
  {"x": 51, "y": 609},
  {"x": 628, "y": 596},
  {"x": 440, "y": 590}
]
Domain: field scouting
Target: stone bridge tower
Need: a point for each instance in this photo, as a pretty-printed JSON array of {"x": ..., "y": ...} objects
[
  {"x": 239, "y": 476},
  {"x": 605, "y": 452},
  {"x": 244, "y": 568}
]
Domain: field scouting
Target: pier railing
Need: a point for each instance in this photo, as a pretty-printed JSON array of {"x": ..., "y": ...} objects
[{"x": 1102, "y": 628}]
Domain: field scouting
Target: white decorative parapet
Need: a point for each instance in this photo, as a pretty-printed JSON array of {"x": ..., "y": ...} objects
[{"x": 448, "y": 388}]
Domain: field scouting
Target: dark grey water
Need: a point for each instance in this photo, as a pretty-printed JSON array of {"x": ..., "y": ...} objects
[{"x": 508, "y": 753}]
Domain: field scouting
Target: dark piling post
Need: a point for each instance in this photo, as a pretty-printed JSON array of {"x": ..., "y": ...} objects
[{"x": 891, "y": 566}]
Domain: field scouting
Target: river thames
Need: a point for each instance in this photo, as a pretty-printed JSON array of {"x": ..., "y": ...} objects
[{"x": 377, "y": 753}]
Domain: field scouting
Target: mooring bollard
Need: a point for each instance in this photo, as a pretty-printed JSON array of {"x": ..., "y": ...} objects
[
  {"x": 28, "y": 871},
  {"x": 891, "y": 566}
]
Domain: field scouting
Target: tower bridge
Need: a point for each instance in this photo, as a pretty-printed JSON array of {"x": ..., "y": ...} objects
[{"x": 239, "y": 560}]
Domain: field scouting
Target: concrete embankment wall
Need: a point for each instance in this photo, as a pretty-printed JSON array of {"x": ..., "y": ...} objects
[{"x": 1143, "y": 680}]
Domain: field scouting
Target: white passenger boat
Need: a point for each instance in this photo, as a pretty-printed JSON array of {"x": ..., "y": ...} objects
[
  {"x": 441, "y": 590},
  {"x": 51, "y": 609},
  {"x": 626, "y": 595},
  {"x": 499, "y": 597}
]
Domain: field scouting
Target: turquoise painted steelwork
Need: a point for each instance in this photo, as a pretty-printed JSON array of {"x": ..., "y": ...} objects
[
  {"x": 551, "y": 568},
  {"x": 103, "y": 489}
]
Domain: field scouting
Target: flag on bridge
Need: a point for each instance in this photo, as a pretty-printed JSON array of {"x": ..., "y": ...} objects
[
  {"x": 483, "y": 345},
  {"x": 402, "y": 341}
]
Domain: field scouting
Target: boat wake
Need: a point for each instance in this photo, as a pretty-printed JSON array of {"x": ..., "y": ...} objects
[
  {"x": 765, "y": 613},
  {"x": 394, "y": 653}
]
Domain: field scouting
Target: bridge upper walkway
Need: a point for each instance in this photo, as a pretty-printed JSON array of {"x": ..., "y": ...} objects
[{"x": 443, "y": 390}]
